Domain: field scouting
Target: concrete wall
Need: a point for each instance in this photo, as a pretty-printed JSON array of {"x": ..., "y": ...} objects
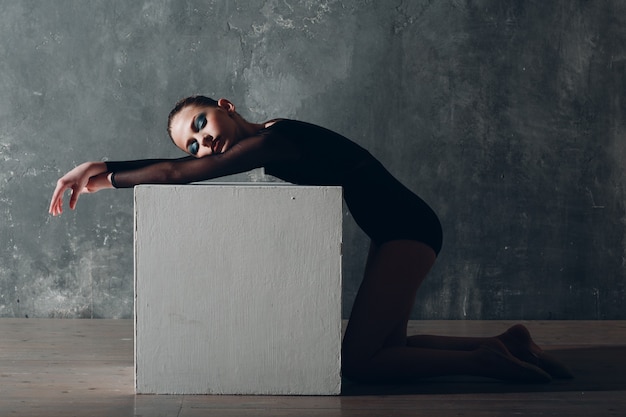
[{"x": 506, "y": 116}]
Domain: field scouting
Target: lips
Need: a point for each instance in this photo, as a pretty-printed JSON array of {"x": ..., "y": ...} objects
[{"x": 216, "y": 144}]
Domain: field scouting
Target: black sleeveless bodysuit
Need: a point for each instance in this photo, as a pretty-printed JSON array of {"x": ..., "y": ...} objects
[{"x": 384, "y": 208}]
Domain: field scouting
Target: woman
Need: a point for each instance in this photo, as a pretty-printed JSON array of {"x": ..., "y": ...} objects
[{"x": 405, "y": 233}]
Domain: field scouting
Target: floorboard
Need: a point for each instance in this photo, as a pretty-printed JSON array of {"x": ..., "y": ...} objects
[{"x": 54, "y": 367}]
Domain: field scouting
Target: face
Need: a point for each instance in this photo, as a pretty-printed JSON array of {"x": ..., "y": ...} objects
[{"x": 202, "y": 131}]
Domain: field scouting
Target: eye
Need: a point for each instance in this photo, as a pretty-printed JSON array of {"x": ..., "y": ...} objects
[
  {"x": 200, "y": 122},
  {"x": 193, "y": 148}
]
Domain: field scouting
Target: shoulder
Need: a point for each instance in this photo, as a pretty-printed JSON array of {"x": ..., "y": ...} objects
[
  {"x": 273, "y": 142},
  {"x": 276, "y": 125},
  {"x": 278, "y": 132},
  {"x": 295, "y": 129}
]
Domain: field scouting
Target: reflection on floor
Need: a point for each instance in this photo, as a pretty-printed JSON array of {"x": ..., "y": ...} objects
[{"x": 51, "y": 367}]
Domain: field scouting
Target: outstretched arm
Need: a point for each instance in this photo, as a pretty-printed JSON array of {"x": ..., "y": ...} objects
[{"x": 249, "y": 153}]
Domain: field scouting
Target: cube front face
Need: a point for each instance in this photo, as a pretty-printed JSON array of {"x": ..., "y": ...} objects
[{"x": 238, "y": 289}]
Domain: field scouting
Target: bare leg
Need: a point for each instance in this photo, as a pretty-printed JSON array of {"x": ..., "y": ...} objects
[{"x": 375, "y": 344}]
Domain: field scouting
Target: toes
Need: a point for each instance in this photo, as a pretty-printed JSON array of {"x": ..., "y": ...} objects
[
  {"x": 504, "y": 366},
  {"x": 554, "y": 367},
  {"x": 520, "y": 343}
]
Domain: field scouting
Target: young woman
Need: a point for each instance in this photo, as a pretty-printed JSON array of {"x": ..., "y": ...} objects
[{"x": 405, "y": 236}]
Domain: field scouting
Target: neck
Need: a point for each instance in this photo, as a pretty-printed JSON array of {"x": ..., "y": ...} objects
[{"x": 246, "y": 128}]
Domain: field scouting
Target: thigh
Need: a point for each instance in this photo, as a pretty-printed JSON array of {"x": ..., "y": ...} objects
[{"x": 383, "y": 303}]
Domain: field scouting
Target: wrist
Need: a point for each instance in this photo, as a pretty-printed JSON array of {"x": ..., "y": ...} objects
[
  {"x": 101, "y": 167},
  {"x": 95, "y": 168},
  {"x": 110, "y": 180}
]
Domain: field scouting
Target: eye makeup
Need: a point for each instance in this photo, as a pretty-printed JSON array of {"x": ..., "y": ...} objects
[
  {"x": 193, "y": 147},
  {"x": 200, "y": 122}
]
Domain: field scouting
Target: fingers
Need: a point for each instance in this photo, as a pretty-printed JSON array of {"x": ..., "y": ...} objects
[
  {"x": 56, "y": 206},
  {"x": 76, "y": 190},
  {"x": 56, "y": 203},
  {"x": 76, "y": 180}
]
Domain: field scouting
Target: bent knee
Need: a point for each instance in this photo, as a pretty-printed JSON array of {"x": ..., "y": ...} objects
[
  {"x": 362, "y": 368},
  {"x": 355, "y": 369}
]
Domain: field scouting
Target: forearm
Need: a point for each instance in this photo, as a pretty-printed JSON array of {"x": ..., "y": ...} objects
[
  {"x": 247, "y": 154},
  {"x": 155, "y": 173},
  {"x": 119, "y": 166},
  {"x": 130, "y": 178},
  {"x": 127, "y": 174},
  {"x": 90, "y": 169}
]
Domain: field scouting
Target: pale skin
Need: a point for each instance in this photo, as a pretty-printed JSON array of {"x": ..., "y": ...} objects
[{"x": 376, "y": 346}]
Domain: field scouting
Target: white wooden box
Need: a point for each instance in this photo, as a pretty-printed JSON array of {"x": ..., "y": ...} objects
[{"x": 238, "y": 289}]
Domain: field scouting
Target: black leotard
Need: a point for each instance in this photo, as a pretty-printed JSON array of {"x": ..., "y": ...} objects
[{"x": 384, "y": 208}]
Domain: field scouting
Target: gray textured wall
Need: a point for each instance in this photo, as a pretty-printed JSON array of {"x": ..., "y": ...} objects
[{"x": 506, "y": 116}]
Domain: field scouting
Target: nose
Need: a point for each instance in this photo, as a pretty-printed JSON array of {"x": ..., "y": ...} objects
[
  {"x": 205, "y": 145},
  {"x": 206, "y": 140}
]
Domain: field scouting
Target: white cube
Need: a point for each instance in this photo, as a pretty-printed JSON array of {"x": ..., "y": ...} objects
[{"x": 238, "y": 289}]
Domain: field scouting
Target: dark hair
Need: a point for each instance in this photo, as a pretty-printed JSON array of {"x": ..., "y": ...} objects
[{"x": 188, "y": 101}]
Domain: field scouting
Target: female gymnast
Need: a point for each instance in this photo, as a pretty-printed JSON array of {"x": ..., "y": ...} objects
[{"x": 405, "y": 237}]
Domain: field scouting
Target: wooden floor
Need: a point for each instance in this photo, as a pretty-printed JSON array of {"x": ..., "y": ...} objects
[{"x": 51, "y": 367}]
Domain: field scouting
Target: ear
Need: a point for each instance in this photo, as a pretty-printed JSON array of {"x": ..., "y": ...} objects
[{"x": 226, "y": 105}]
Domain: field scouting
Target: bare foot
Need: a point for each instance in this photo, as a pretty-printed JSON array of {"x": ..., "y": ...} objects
[
  {"x": 495, "y": 361},
  {"x": 518, "y": 341}
]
